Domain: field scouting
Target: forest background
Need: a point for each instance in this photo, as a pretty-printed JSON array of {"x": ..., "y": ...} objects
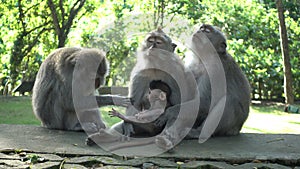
[{"x": 31, "y": 29}]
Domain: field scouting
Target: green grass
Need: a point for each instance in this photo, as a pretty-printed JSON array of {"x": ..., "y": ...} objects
[
  {"x": 262, "y": 118},
  {"x": 271, "y": 119},
  {"x": 16, "y": 110}
]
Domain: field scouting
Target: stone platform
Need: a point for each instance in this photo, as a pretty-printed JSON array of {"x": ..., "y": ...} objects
[{"x": 25, "y": 146}]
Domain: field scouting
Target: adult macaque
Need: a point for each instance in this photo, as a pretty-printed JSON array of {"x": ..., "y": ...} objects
[
  {"x": 224, "y": 89},
  {"x": 60, "y": 105},
  {"x": 156, "y": 62}
]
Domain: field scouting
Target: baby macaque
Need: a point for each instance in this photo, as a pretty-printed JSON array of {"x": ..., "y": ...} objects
[
  {"x": 158, "y": 103},
  {"x": 142, "y": 123}
]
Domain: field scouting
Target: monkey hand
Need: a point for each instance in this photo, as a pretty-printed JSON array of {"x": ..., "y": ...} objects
[
  {"x": 139, "y": 116},
  {"x": 161, "y": 121},
  {"x": 115, "y": 113},
  {"x": 121, "y": 101}
]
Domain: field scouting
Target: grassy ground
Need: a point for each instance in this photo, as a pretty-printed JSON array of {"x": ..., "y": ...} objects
[
  {"x": 271, "y": 119},
  {"x": 262, "y": 118}
]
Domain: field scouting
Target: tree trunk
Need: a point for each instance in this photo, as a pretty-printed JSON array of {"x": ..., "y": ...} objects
[
  {"x": 63, "y": 21},
  {"x": 288, "y": 85}
]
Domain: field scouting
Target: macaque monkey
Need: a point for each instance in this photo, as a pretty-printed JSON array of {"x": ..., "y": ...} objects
[
  {"x": 64, "y": 90},
  {"x": 158, "y": 103},
  {"x": 236, "y": 100},
  {"x": 142, "y": 121},
  {"x": 156, "y": 64}
]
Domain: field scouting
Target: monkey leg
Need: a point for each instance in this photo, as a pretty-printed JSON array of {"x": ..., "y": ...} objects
[
  {"x": 162, "y": 141},
  {"x": 234, "y": 116},
  {"x": 103, "y": 136},
  {"x": 125, "y": 129},
  {"x": 128, "y": 131},
  {"x": 91, "y": 121}
]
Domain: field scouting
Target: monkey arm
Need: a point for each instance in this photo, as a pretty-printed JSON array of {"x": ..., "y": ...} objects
[
  {"x": 149, "y": 115},
  {"x": 105, "y": 100},
  {"x": 137, "y": 90},
  {"x": 127, "y": 119}
]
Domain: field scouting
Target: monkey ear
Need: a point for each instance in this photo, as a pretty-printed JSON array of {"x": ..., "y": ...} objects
[
  {"x": 162, "y": 96},
  {"x": 174, "y": 46},
  {"x": 159, "y": 29}
]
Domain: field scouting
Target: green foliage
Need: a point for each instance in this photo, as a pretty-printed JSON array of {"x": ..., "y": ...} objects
[
  {"x": 251, "y": 28},
  {"x": 27, "y": 35},
  {"x": 120, "y": 50},
  {"x": 253, "y": 37}
]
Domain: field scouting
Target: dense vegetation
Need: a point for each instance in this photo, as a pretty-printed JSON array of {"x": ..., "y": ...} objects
[{"x": 31, "y": 29}]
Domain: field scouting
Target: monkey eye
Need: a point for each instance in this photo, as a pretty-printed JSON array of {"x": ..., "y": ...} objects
[
  {"x": 205, "y": 28},
  {"x": 151, "y": 40},
  {"x": 159, "y": 41},
  {"x": 224, "y": 45},
  {"x": 202, "y": 28}
]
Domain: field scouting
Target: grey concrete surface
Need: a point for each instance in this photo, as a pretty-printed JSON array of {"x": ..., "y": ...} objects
[{"x": 242, "y": 149}]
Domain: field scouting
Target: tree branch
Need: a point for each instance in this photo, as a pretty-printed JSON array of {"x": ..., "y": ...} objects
[
  {"x": 28, "y": 49},
  {"x": 21, "y": 16},
  {"x": 38, "y": 27},
  {"x": 61, "y": 7},
  {"x": 57, "y": 27},
  {"x": 73, "y": 12},
  {"x": 35, "y": 5}
]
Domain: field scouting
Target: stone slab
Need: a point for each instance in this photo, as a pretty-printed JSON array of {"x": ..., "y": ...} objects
[
  {"x": 239, "y": 149},
  {"x": 39, "y": 139}
]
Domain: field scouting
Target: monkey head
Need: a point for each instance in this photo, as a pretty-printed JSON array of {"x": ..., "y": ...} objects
[
  {"x": 102, "y": 72},
  {"x": 215, "y": 36},
  {"x": 91, "y": 69},
  {"x": 156, "y": 94},
  {"x": 158, "y": 39},
  {"x": 158, "y": 84}
]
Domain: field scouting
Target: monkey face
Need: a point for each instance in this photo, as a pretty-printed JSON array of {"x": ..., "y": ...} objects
[
  {"x": 215, "y": 36},
  {"x": 156, "y": 94},
  {"x": 99, "y": 81},
  {"x": 101, "y": 73},
  {"x": 157, "y": 42},
  {"x": 158, "y": 39}
]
